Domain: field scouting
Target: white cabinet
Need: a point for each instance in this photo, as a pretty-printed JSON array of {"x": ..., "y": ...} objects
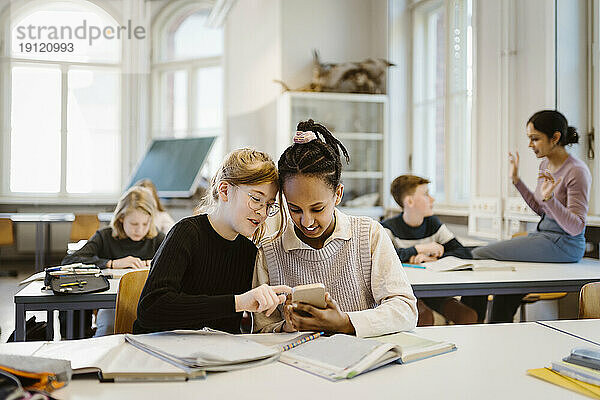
[{"x": 359, "y": 121}]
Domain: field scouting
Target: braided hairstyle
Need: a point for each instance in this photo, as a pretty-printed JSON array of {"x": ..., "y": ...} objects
[{"x": 315, "y": 158}]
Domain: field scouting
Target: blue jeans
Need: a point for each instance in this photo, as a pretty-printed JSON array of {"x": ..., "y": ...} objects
[
  {"x": 105, "y": 322},
  {"x": 549, "y": 243}
]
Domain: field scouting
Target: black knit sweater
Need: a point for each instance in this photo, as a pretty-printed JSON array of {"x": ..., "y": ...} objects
[{"x": 193, "y": 279}]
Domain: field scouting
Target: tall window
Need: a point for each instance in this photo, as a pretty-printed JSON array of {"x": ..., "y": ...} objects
[
  {"x": 188, "y": 76},
  {"x": 441, "y": 96},
  {"x": 63, "y": 99}
]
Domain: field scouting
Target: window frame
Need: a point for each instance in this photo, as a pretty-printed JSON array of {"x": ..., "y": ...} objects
[
  {"x": 7, "y": 61},
  {"x": 418, "y": 12},
  {"x": 165, "y": 19},
  {"x": 594, "y": 106}
]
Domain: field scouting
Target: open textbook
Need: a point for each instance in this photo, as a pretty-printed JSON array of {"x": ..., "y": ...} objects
[
  {"x": 413, "y": 347},
  {"x": 451, "y": 263},
  {"x": 181, "y": 355},
  {"x": 343, "y": 356},
  {"x": 113, "y": 359},
  {"x": 334, "y": 358},
  {"x": 340, "y": 356}
]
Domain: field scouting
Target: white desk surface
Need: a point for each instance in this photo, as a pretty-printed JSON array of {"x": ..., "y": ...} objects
[
  {"x": 587, "y": 268},
  {"x": 490, "y": 363},
  {"x": 34, "y": 288},
  {"x": 49, "y": 217},
  {"x": 34, "y": 293},
  {"x": 585, "y": 328}
]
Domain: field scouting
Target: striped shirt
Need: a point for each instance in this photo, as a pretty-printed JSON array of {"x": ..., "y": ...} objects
[{"x": 406, "y": 237}]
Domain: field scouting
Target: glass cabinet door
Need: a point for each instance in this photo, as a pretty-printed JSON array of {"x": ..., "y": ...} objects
[{"x": 359, "y": 125}]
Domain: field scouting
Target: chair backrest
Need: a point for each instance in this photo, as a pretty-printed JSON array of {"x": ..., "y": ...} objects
[
  {"x": 7, "y": 237},
  {"x": 128, "y": 295},
  {"x": 589, "y": 301},
  {"x": 84, "y": 226}
]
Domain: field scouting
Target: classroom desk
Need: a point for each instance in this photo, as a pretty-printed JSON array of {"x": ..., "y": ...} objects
[
  {"x": 32, "y": 298},
  {"x": 588, "y": 329},
  {"x": 490, "y": 363},
  {"x": 42, "y": 231},
  {"x": 528, "y": 278}
]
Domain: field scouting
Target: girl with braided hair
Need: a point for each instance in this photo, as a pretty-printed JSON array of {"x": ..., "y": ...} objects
[{"x": 367, "y": 290}]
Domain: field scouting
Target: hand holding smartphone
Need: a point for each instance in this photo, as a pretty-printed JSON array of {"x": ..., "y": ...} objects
[{"x": 313, "y": 294}]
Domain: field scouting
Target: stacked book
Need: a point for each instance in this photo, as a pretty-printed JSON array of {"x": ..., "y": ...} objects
[
  {"x": 580, "y": 372},
  {"x": 204, "y": 350}
]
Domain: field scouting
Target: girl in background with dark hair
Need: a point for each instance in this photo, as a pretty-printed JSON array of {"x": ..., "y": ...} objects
[
  {"x": 560, "y": 199},
  {"x": 368, "y": 292}
]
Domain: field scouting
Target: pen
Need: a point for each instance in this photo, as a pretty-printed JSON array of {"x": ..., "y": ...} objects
[
  {"x": 413, "y": 266},
  {"x": 80, "y": 283}
]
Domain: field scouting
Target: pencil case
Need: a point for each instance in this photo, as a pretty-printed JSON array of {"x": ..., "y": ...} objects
[
  {"x": 78, "y": 283},
  {"x": 36, "y": 373}
]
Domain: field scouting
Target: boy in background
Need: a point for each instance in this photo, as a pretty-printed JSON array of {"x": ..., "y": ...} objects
[{"x": 418, "y": 237}]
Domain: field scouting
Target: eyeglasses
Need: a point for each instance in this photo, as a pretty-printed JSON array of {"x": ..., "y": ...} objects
[{"x": 256, "y": 204}]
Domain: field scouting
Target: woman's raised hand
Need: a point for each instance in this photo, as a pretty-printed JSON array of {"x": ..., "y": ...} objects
[
  {"x": 548, "y": 185},
  {"x": 513, "y": 159}
]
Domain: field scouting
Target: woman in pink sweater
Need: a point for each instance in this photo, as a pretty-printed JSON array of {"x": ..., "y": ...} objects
[{"x": 560, "y": 199}]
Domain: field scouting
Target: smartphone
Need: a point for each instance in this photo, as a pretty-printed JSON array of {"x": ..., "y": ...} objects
[{"x": 313, "y": 294}]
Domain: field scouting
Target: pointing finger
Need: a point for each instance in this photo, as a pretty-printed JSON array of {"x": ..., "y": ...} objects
[{"x": 282, "y": 289}]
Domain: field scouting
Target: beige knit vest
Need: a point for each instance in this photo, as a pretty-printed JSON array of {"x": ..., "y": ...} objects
[{"x": 343, "y": 266}]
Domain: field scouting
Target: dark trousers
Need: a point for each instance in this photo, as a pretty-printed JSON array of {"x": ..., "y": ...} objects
[
  {"x": 87, "y": 323},
  {"x": 504, "y": 306}
]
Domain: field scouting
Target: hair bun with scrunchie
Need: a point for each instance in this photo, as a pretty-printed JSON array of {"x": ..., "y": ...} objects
[
  {"x": 572, "y": 135},
  {"x": 302, "y": 137}
]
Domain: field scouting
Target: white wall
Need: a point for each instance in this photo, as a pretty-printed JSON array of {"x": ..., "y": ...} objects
[
  {"x": 274, "y": 39},
  {"x": 252, "y": 61},
  {"x": 342, "y": 30}
]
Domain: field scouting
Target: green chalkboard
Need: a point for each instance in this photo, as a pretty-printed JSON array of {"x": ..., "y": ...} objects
[{"x": 174, "y": 165}]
